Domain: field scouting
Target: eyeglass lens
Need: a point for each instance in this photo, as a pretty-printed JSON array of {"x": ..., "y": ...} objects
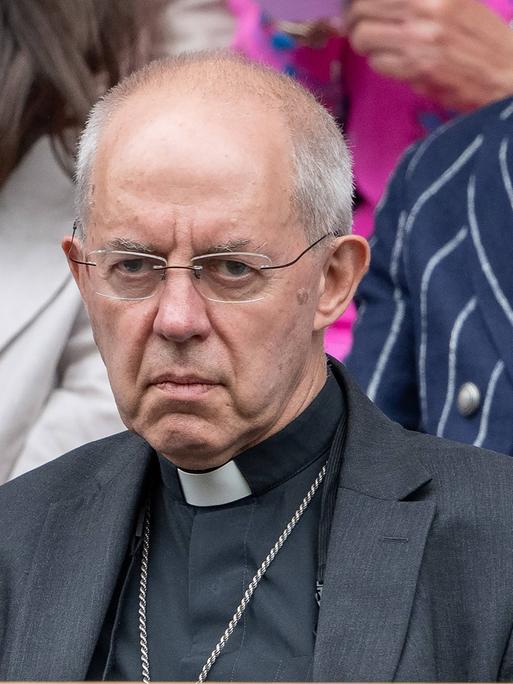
[{"x": 227, "y": 277}]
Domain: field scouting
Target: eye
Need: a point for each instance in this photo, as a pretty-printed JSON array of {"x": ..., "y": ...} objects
[
  {"x": 234, "y": 269},
  {"x": 129, "y": 266},
  {"x": 132, "y": 265},
  {"x": 231, "y": 269}
]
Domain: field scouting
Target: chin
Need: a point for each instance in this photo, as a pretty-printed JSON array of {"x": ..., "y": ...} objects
[
  {"x": 196, "y": 462},
  {"x": 186, "y": 440}
]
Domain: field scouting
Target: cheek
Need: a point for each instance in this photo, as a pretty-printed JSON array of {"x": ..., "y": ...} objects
[
  {"x": 271, "y": 341},
  {"x": 302, "y": 296},
  {"x": 120, "y": 333}
]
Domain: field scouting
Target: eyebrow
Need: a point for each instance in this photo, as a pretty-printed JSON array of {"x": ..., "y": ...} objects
[
  {"x": 121, "y": 243},
  {"x": 230, "y": 246}
]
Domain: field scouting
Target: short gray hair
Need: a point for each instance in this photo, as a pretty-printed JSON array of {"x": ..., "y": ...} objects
[{"x": 322, "y": 186}]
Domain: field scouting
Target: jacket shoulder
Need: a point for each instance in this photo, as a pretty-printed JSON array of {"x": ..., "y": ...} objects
[
  {"x": 388, "y": 461},
  {"x": 90, "y": 465},
  {"x": 464, "y": 476},
  {"x": 439, "y": 451}
]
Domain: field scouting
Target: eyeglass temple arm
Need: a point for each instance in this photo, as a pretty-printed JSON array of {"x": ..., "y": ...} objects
[
  {"x": 290, "y": 263},
  {"x": 68, "y": 254},
  {"x": 195, "y": 268}
]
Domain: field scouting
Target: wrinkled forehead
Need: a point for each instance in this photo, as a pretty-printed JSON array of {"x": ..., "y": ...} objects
[{"x": 193, "y": 153}]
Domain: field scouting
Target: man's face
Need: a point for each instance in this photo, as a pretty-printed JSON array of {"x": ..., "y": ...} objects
[{"x": 202, "y": 380}]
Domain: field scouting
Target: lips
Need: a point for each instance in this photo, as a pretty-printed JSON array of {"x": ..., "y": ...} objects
[
  {"x": 177, "y": 379},
  {"x": 184, "y": 387}
]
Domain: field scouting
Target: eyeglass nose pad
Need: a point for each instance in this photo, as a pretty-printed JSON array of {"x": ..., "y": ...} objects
[{"x": 194, "y": 272}]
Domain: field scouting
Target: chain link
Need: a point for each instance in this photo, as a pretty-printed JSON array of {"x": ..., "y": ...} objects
[
  {"x": 145, "y": 664},
  {"x": 143, "y": 585}
]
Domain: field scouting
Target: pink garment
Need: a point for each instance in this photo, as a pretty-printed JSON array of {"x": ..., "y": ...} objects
[{"x": 383, "y": 117}]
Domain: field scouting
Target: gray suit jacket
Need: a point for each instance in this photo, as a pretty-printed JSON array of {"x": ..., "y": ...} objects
[{"x": 419, "y": 582}]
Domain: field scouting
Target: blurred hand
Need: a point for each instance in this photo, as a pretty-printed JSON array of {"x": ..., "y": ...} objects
[{"x": 457, "y": 52}]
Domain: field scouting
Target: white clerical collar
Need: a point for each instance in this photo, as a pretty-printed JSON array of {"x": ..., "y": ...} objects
[{"x": 220, "y": 486}]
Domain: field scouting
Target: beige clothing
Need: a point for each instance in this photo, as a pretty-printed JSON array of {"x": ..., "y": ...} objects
[{"x": 55, "y": 393}]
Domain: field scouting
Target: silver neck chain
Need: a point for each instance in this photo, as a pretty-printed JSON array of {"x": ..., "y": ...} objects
[{"x": 143, "y": 585}]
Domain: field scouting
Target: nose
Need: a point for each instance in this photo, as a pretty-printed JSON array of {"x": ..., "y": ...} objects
[{"x": 182, "y": 312}]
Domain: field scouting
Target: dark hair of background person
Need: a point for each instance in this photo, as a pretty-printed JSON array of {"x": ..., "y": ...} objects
[{"x": 57, "y": 57}]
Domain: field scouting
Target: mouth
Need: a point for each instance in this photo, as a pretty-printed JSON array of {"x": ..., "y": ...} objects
[{"x": 184, "y": 386}]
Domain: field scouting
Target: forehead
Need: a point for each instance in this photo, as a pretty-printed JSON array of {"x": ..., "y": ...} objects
[{"x": 198, "y": 161}]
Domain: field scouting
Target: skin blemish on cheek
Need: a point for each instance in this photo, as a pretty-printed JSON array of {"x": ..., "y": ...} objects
[{"x": 302, "y": 296}]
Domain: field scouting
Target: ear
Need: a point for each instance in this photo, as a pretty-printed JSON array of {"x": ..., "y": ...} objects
[
  {"x": 343, "y": 270},
  {"x": 71, "y": 248}
]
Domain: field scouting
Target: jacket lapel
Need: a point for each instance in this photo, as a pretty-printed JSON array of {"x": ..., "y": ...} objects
[
  {"x": 73, "y": 576},
  {"x": 375, "y": 550},
  {"x": 370, "y": 584}
]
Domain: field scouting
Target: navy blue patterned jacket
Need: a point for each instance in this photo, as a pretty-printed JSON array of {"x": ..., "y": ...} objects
[{"x": 433, "y": 344}]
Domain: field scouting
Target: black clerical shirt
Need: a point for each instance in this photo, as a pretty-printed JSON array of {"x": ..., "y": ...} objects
[{"x": 202, "y": 559}]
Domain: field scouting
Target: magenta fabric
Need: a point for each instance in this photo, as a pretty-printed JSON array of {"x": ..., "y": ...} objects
[{"x": 383, "y": 116}]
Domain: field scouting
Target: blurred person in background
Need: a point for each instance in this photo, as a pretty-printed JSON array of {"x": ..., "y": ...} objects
[
  {"x": 56, "y": 58},
  {"x": 391, "y": 70},
  {"x": 194, "y": 25},
  {"x": 433, "y": 344}
]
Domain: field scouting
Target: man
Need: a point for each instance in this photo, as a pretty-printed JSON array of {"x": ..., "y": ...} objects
[
  {"x": 213, "y": 249},
  {"x": 433, "y": 344}
]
